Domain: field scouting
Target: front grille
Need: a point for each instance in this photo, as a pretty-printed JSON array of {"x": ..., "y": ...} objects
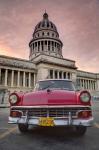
[{"x": 52, "y": 112}]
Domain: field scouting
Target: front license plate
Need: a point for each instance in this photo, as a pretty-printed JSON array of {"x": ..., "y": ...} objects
[{"x": 46, "y": 121}]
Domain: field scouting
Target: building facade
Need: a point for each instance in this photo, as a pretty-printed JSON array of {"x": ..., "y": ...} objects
[{"x": 45, "y": 62}]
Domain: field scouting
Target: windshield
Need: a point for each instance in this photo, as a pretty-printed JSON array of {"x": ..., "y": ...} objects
[{"x": 55, "y": 84}]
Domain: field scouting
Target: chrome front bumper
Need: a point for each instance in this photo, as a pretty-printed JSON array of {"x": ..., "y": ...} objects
[{"x": 57, "y": 121}]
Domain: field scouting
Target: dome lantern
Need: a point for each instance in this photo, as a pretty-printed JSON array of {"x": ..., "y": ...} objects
[{"x": 45, "y": 16}]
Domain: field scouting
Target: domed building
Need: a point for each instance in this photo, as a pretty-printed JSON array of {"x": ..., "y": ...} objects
[
  {"x": 45, "y": 39},
  {"x": 45, "y": 62}
]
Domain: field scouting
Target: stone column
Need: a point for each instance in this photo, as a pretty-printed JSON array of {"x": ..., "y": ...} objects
[
  {"x": 70, "y": 75},
  {"x": 79, "y": 83},
  {"x": 6, "y": 77},
  {"x": 18, "y": 79},
  {"x": 86, "y": 83},
  {"x": 93, "y": 85},
  {"x": 53, "y": 74},
  {"x": 47, "y": 45},
  {"x": 12, "y": 78},
  {"x": 89, "y": 84},
  {"x": 83, "y": 84},
  {"x": 96, "y": 87},
  {"x": 40, "y": 45},
  {"x": 37, "y": 45},
  {"x": 51, "y": 45},
  {"x": 24, "y": 79},
  {"x": 67, "y": 75},
  {"x": 29, "y": 79},
  {"x": 57, "y": 74}
]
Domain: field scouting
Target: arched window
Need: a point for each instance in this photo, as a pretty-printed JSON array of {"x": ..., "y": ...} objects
[
  {"x": 48, "y": 33},
  {"x": 38, "y": 34},
  {"x": 47, "y": 24},
  {"x": 42, "y": 33},
  {"x": 52, "y": 34}
]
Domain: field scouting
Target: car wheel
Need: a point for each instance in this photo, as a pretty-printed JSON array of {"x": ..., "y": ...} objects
[
  {"x": 81, "y": 130},
  {"x": 23, "y": 128}
]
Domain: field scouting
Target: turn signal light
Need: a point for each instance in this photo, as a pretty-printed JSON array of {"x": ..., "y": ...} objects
[
  {"x": 15, "y": 114},
  {"x": 84, "y": 114}
]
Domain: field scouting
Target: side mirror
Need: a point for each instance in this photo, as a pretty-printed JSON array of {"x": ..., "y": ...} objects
[{"x": 78, "y": 88}]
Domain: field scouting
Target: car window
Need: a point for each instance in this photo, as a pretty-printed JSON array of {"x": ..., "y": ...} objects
[{"x": 55, "y": 84}]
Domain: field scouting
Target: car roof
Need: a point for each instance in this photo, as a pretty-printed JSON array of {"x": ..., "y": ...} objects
[{"x": 55, "y": 79}]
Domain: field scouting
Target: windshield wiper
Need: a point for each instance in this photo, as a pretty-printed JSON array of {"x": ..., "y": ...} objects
[{"x": 46, "y": 87}]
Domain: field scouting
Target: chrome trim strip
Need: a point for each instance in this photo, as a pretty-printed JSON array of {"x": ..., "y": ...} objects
[
  {"x": 54, "y": 106},
  {"x": 57, "y": 121}
]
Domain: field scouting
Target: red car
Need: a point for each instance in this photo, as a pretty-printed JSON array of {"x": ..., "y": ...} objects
[{"x": 52, "y": 103}]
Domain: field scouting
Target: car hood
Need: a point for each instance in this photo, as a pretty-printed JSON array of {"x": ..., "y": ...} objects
[{"x": 50, "y": 97}]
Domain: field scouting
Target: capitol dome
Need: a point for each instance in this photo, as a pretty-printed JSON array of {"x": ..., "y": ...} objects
[
  {"x": 45, "y": 39},
  {"x": 45, "y": 24}
]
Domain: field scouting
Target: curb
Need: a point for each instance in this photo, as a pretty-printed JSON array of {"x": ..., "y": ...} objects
[{"x": 4, "y": 106}]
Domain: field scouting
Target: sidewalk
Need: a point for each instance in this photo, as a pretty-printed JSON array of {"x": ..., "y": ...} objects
[
  {"x": 4, "y": 105},
  {"x": 95, "y": 105}
]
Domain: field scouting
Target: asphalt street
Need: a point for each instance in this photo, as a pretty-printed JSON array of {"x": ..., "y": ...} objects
[{"x": 48, "y": 138}]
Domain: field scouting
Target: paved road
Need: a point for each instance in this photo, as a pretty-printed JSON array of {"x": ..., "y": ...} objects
[{"x": 47, "y": 139}]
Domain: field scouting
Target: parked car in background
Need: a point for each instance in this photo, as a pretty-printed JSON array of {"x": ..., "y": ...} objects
[
  {"x": 52, "y": 103},
  {"x": 95, "y": 98}
]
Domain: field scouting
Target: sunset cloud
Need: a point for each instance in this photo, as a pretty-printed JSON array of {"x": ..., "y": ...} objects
[{"x": 77, "y": 22}]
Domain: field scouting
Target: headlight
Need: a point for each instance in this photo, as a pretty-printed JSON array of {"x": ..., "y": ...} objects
[
  {"x": 13, "y": 99},
  {"x": 85, "y": 97}
]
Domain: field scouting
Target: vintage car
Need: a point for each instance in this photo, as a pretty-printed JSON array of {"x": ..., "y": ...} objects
[{"x": 54, "y": 102}]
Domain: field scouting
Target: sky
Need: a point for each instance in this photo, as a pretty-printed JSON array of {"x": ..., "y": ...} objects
[{"x": 77, "y": 22}]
